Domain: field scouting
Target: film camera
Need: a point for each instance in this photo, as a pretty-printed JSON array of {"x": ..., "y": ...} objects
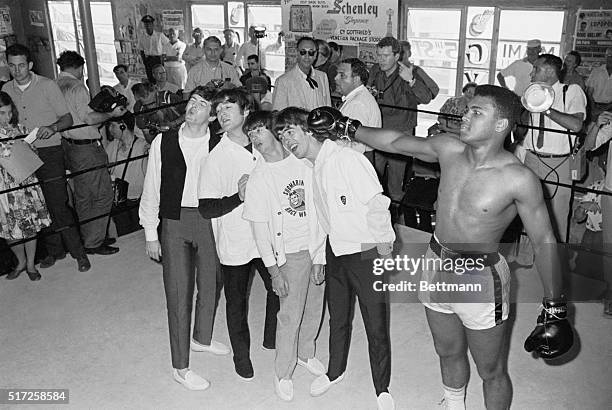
[{"x": 107, "y": 100}]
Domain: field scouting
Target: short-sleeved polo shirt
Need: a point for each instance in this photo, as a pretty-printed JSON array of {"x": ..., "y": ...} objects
[{"x": 40, "y": 104}]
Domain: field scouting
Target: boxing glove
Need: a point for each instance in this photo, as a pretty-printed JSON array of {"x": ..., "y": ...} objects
[
  {"x": 553, "y": 334},
  {"x": 330, "y": 122}
]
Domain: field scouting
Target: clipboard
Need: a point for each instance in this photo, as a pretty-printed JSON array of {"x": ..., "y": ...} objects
[{"x": 22, "y": 161}]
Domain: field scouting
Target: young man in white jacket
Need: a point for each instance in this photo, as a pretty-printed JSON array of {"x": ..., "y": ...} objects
[
  {"x": 355, "y": 214},
  {"x": 279, "y": 204}
]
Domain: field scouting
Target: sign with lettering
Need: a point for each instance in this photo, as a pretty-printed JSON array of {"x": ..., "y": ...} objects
[
  {"x": 592, "y": 36},
  {"x": 347, "y": 22},
  {"x": 510, "y": 51}
]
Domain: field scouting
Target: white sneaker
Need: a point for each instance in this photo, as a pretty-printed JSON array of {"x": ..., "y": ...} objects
[
  {"x": 322, "y": 384},
  {"x": 192, "y": 380},
  {"x": 283, "y": 388},
  {"x": 217, "y": 348},
  {"x": 313, "y": 365},
  {"x": 385, "y": 401}
]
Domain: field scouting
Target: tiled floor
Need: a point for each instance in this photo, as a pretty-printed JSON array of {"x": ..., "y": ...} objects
[{"x": 103, "y": 335}]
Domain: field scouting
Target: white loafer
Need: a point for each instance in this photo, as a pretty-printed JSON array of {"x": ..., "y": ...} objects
[
  {"x": 322, "y": 384},
  {"x": 385, "y": 401},
  {"x": 192, "y": 380},
  {"x": 217, "y": 348},
  {"x": 283, "y": 388},
  {"x": 313, "y": 365}
]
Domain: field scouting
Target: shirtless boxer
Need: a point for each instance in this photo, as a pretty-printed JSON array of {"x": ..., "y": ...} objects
[{"x": 482, "y": 188}]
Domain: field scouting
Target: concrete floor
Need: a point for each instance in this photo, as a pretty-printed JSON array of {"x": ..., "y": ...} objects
[{"x": 103, "y": 335}]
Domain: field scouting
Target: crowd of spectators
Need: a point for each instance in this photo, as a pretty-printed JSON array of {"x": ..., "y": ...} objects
[{"x": 377, "y": 95}]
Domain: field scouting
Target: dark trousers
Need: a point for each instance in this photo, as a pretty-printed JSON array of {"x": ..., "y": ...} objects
[
  {"x": 189, "y": 257},
  {"x": 93, "y": 191},
  {"x": 150, "y": 62},
  {"x": 348, "y": 276},
  {"x": 56, "y": 197},
  {"x": 236, "y": 282}
]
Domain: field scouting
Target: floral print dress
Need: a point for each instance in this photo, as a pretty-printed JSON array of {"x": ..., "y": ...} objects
[{"x": 23, "y": 213}]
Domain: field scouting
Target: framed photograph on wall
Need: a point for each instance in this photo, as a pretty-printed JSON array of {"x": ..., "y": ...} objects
[{"x": 300, "y": 19}]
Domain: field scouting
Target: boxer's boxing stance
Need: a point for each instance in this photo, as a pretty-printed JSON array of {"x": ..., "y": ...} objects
[{"x": 482, "y": 187}]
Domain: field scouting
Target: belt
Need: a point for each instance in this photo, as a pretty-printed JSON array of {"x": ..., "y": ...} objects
[
  {"x": 82, "y": 142},
  {"x": 487, "y": 259},
  {"x": 603, "y": 103},
  {"x": 541, "y": 155}
]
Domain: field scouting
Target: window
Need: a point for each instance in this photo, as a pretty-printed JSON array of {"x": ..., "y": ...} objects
[
  {"x": 68, "y": 34},
  {"x": 270, "y": 18},
  {"x": 209, "y": 18},
  {"x": 239, "y": 16},
  {"x": 434, "y": 37},
  {"x": 516, "y": 27}
]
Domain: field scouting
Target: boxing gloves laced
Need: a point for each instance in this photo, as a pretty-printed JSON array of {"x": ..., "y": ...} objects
[
  {"x": 328, "y": 122},
  {"x": 553, "y": 335}
]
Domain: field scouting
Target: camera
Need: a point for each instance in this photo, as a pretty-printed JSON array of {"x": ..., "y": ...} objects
[
  {"x": 107, "y": 100},
  {"x": 260, "y": 32}
]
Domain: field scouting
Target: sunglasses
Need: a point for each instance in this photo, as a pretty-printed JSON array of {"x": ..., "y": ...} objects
[{"x": 311, "y": 53}]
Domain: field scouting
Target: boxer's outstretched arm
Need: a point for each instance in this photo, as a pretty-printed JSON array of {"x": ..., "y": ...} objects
[
  {"x": 398, "y": 142},
  {"x": 550, "y": 257}
]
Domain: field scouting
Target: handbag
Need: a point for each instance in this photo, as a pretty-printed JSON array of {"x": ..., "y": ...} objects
[{"x": 120, "y": 185}]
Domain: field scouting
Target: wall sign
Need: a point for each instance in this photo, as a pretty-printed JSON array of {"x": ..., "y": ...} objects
[
  {"x": 592, "y": 36},
  {"x": 353, "y": 24}
]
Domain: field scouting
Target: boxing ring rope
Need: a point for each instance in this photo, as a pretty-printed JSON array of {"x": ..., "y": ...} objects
[{"x": 572, "y": 187}]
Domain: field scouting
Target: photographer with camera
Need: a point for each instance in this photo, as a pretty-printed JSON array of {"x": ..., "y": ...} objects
[
  {"x": 93, "y": 192},
  {"x": 252, "y": 47},
  {"x": 153, "y": 123}
]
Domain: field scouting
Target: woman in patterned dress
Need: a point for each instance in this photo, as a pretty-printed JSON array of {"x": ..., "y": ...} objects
[
  {"x": 23, "y": 213},
  {"x": 456, "y": 106}
]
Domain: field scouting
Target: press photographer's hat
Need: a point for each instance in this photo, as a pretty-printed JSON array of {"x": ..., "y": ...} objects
[
  {"x": 147, "y": 19},
  {"x": 534, "y": 43}
]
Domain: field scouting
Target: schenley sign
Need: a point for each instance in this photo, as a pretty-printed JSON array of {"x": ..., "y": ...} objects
[{"x": 348, "y": 8}]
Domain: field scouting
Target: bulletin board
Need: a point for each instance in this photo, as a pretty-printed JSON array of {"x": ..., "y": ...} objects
[{"x": 593, "y": 34}]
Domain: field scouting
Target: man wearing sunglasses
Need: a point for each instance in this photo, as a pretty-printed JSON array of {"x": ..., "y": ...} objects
[{"x": 302, "y": 86}]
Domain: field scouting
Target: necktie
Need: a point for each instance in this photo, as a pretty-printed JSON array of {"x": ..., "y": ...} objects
[
  {"x": 321, "y": 205},
  {"x": 311, "y": 81},
  {"x": 540, "y": 142}
]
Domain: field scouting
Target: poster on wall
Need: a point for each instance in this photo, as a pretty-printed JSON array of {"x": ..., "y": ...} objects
[
  {"x": 354, "y": 25},
  {"x": 173, "y": 19},
  {"x": 592, "y": 36},
  {"x": 36, "y": 18},
  {"x": 6, "y": 27}
]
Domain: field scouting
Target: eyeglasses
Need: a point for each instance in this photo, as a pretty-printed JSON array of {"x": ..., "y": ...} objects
[{"x": 311, "y": 53}]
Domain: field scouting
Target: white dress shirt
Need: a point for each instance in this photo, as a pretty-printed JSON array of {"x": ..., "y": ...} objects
[
  {"x": 292, "y": 90},
  {"x": 556, "y": 143},
  {"x": 361, "y": 105},
  {"x": 152, "y": 45},
  {"x": 195, "y": 152},
  {"x": 601, "y": 83}
]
